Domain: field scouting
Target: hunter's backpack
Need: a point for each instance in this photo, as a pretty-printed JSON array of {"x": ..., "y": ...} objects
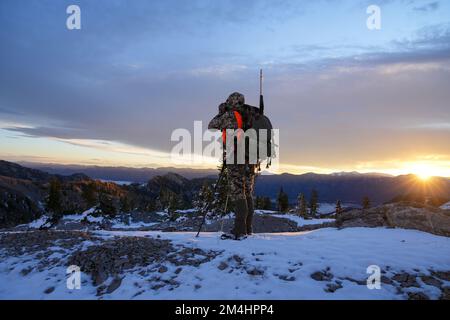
[{"x": 253, "y": 119}]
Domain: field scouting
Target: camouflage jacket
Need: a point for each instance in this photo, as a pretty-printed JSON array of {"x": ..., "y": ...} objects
[{"x": 225, "y": 120}]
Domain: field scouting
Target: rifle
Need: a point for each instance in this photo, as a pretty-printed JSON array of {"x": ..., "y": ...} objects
[{"x": 261, "y": 98}]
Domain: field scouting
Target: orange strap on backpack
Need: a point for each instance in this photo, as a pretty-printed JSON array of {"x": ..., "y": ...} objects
[{"x": 238, "y": 118}]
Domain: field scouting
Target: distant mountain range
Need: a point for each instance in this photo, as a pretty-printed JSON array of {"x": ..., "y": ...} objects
[
  {"x": 138, "y": 175},
  {"x": 23, "y": 191},
  {"x": 349, "y": 187}
]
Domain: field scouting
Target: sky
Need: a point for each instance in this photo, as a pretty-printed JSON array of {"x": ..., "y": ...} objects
[{"x": 345, "y": 98}]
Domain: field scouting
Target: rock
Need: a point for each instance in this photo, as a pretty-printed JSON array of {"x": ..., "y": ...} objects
[
  {"x": 26, "y": 271},
  {"x": 332, "y": 287},
  {"x": 398, "y": 215},
  {"x": 162, "y": 269},
  {"x": 255, "y": 272},
  {"x": 158, "y": 286},
  {"x": 49, "y": 290},
  {"x": 417, "y": 296},
  {"x": 444, "y": 275},
  {"x": 114, "y": 256},
  {"x": 114, "y": 285},
  {"x": 286, "y": 277},
  {"x": 100, "y": 290},
  {"x": 400, "y": 277},
  {"x": 359, "y": 282},
  {"x": 222, "y": 266},
  {"x": 445, "y": 294},
  {"x": 386, "y": 280},
  {"x": 431, "y": 281},
  {"x": 322, "y": 276},
  {"x": 406, "y": 280},
  {"x": 237, "y": 258},
  {"x": 178, "y": 270},
  {"x": 99, "y": 277}
]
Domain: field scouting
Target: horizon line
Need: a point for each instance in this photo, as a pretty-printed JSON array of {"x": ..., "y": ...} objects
[{"x": 263, "y": 172}]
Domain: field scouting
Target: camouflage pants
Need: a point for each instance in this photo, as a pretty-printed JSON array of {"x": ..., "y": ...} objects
[{"x": 241, "y": 178}]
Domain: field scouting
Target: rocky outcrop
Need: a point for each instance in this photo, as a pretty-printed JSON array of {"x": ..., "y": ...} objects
[{"x": 423, "y": 218}]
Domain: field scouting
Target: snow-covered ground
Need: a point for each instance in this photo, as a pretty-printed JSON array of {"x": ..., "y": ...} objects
[
  {"x": 299, "y": 220},
  {"x": 116, "y": 223},
  {"x": 446, "y": 206},
  {"x": 264, "y": 266},
  {"x": 302, "y": 222}
]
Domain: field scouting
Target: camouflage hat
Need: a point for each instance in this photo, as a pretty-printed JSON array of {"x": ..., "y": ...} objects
[{"x": 236, "y": 99}]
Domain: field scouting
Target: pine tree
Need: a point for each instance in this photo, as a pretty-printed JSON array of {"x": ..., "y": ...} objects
[
  {"x": 338, "y": 208},
  {"x": 366, "y": 202},
  {"x": 125, "y": 204},
  {"x": 54, "y": 202},
  {"x": 163, "y": 198},
  {"x": 302, "y": 206},
  {"x": 263, "y": 203},
  {"x": 89, "y": 194},
  {"x": 221, "y": 201},
  {"x": 314, "y": 203},
  {"x": 282, "y": 201},
  {"x": 204, "y": 197},
  {"x": 174, "y": 204},
  {"x": 106, "y": 206},
  {"x": 259, "y": 203},
  {"x": 267, "y": 203}
]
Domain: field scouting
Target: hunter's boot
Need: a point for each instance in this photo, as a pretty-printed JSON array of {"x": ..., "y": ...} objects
[
  {"x": 240, "y": 208},
  {"x": 250, "y": 211}
]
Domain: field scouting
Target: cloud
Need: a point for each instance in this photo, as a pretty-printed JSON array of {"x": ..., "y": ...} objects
[
  {"x": 431, "y": 6},
  {"x": 131, "y": 80},
  {"x": 434, "y": 126},
  {"x": 218, "y": 70}
]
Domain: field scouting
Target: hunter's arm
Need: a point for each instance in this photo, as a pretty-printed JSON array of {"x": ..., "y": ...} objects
[{"x": 223, "y": 121}]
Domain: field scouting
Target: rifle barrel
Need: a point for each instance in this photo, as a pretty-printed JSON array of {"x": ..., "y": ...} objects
[{"x": 261, "y": 97}]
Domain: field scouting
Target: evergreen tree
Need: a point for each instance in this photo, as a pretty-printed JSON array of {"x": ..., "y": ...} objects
[
  {"x": 163, "y": 198},
  {"x": 54, "y": 201},
  {"x": 302, "y": 206},
  {"x": 338, "y": 208},
  {"x": 221, "y": 201},
  {"x": 263, "y": 203},
  {"x": 267, "y": 203},
  {"x": 125, "y": 204},
  {"x": 282, "y": 201},
  {"x": 259, "y": 202},
  {"x": 174, "y": 204},
  {"x": 106, "y": 206},
  {"x": 366, "y": 202},
  {"x": 204, "y": 197},
  {"x": 89, "y": 194},
  {"x": 314, "y": 203}
]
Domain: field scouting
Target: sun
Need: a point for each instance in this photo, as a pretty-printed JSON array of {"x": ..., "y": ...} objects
[
  {"x": 423, "y": 172},
  {"x": 423, "y": 176}
]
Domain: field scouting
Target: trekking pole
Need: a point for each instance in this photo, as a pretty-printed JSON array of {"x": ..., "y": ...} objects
[{"x": 206, "y": 207}]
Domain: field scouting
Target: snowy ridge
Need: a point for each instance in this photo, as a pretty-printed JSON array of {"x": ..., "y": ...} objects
[{"x": 264, "y": 266}]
